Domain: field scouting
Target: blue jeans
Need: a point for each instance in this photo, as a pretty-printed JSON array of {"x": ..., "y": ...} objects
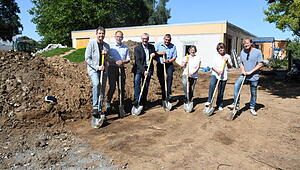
[
  {"x": 160, "y": 75},
  {"x": 138, "y": 80},
  {"x": 221, "y": 89},
  {"x": 95, "y": 78},
  {"x": 192, "y": 84},
  {"x": 253, "y": 90}
]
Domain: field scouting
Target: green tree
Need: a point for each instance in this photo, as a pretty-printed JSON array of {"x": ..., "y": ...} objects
[
  {"x": 294, "y": 48},
  {"x": 285, "y": 14},
  {"x": 9, "y": 20},
  {"x": 56, "y": 19},
  {"x": 159, "y": 13}
]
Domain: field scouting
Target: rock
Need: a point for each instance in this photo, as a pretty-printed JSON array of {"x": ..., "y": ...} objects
[
  {"x": 17, "y": 104},
  {"x": 41, "y": 143}
]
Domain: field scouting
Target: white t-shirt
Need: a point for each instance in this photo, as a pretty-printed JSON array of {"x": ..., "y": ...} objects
[
  {"x": 193, "y": 65},
  {"x": 218, "y": 63}
]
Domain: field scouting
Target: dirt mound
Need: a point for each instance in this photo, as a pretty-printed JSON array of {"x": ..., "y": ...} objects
[
  {"x": 26, "y": 80},
  {"x": 27, "y": 118},
  {"x": 32, "y": 132}
]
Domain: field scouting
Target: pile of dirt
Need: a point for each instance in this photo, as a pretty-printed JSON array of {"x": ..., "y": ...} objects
[
  {"x": 29, "y": 124},
  {"x": 21, "y": 78},
  {"x": 26, "y": 80},
  {"x": 32, "y": 131}
]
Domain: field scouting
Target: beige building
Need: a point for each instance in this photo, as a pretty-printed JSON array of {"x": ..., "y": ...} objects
[
  {"x": 204, "y": 35},
  {"x": 270, "y": 47}
]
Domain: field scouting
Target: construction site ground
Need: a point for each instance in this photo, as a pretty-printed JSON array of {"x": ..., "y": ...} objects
[{"x": 35, "y": 134}]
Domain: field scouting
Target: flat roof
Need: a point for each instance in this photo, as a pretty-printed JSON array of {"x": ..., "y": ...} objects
[
  {"x": 155, "y": 26},
  {"x": 263, "y": 39}
]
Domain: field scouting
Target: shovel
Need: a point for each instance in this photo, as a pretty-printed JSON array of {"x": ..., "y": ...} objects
[
  {"x": 166, "y": 104},
  {"x": 136, "y": 110},
  {"x": 188, "y": 107},
  {"x": 121, "y": 106},
  {"x": 234, "y": 111},
  {"x": 98, "y": 120},
  {"x": 210, "y": 110}
]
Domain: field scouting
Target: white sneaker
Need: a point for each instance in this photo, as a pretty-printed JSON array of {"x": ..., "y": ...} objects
[
  {"x": 253, "y": 112},
  {"x": 220, "y": 108},
  {"x": 231, "y": 107},
  {"x": 107, "y": 105},
  {"x": 207, "y": 104}
]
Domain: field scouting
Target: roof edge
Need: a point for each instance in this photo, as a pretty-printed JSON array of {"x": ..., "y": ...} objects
[{"x": 151, "y": 26}]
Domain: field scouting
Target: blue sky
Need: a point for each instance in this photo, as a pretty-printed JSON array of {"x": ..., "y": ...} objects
[{"x": 244, "y": 14}]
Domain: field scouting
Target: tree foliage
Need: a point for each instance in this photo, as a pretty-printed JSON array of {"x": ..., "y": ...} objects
[
  {"x": 294, "y": 48},
  {"x": 285, "y": 14},
  {"x": 159, "y": 13},
  {"x": 9, "y": 20},
  {"x": 56, "y": 19}
]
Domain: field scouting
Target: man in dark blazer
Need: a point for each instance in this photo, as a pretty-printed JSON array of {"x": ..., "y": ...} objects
[{"x": 142, "y": 54}]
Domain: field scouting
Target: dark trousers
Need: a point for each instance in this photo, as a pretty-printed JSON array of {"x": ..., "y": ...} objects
[
  {"x": 113, "y": 79},
  {"x": 160, "y": 74},
  {"x": 138, "y": 82}
]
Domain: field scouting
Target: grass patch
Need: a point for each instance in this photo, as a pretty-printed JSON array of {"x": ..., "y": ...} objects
[
  {"x": 56, "y": 51},
  {"x": 76, "y": 56}
]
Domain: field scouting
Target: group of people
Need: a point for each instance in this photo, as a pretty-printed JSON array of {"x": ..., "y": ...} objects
[{"x": 107, "y": 61}]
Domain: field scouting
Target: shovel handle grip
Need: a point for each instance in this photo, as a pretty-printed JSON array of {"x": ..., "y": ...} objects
[
  {"x": 165, "y": 77},
  {"x": 145, "y": 79},
  {"x": 102, "y": 59}
]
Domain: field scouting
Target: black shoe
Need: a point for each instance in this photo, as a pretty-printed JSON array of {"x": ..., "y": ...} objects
[
  {"x": 169, "y": 98},
  {"x": 95, "y": 112},
  {"x": 135, "y": 103},
  {"x": 121, "y": 115}
]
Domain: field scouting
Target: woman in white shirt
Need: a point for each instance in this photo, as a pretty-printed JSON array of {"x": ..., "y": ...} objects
[
  {"x": 191, "y": 64},
  {"x": 218, "y": 72}
]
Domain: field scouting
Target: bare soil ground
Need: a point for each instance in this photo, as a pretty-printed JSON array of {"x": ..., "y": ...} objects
[{"x": 38, "y": 135}]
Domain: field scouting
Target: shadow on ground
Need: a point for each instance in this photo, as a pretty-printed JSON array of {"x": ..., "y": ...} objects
[{"x": 279, "y": 85}]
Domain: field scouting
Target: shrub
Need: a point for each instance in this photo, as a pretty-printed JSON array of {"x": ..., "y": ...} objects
[{"x": 277, "y": 64}]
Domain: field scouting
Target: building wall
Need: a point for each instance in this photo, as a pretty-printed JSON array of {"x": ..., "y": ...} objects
[
  {"x": 205, "y": 36},
  {"x": 236, "y": 35},
  {"x": 283, "y": 45},
  {"x": 156, "y": 30},
  {"x": 267, "y": 50},
  {"x": 205, "y": 43}
]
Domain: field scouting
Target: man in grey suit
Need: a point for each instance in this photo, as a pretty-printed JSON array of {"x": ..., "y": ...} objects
[{"x": 95, "y": 64}]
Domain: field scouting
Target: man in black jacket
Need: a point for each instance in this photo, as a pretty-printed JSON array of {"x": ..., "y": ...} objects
[{"x": 142, "y": 54}]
